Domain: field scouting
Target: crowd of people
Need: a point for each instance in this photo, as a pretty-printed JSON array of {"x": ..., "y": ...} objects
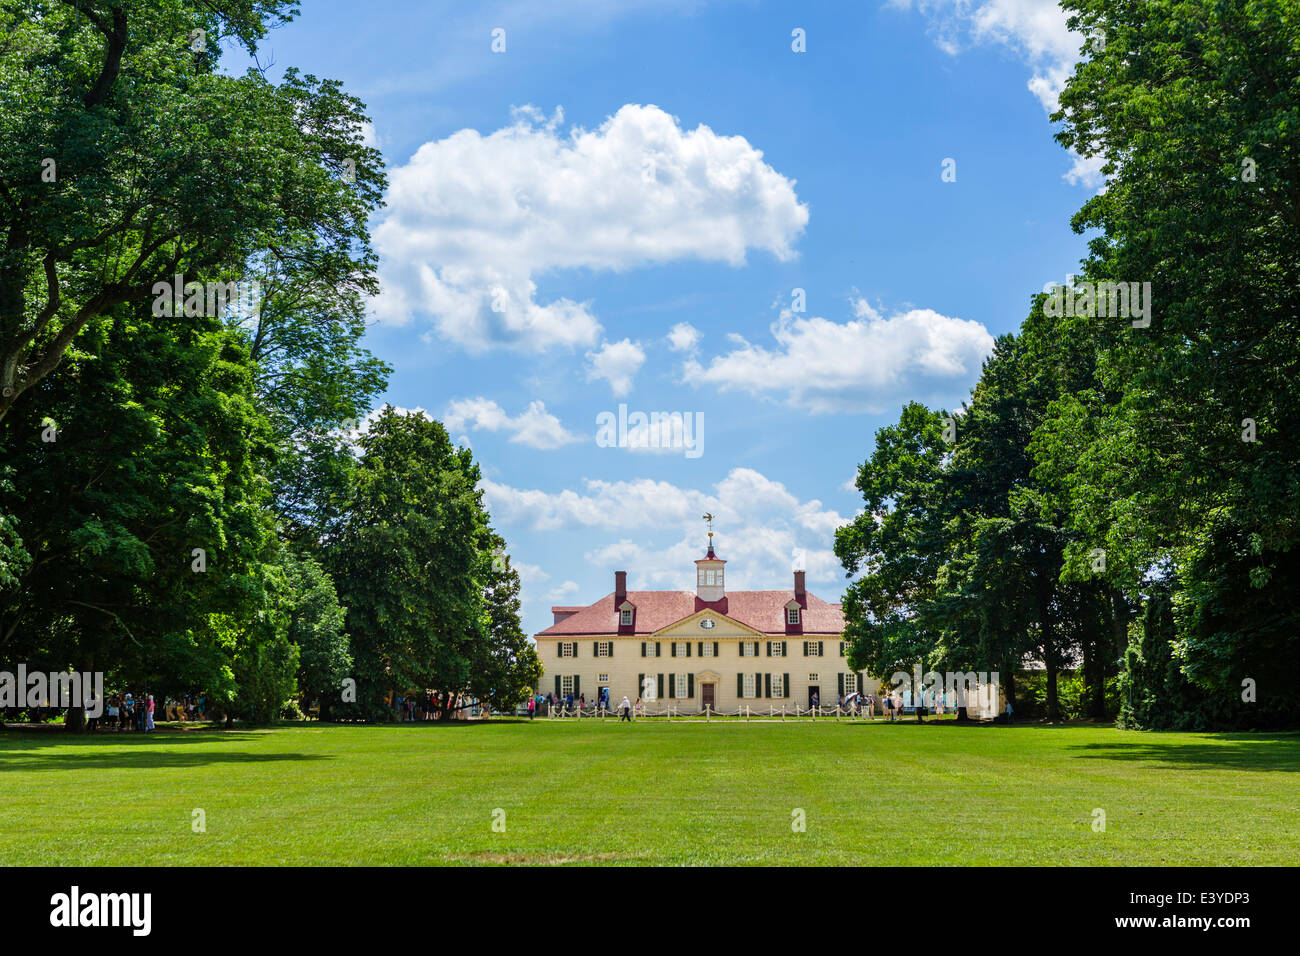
[{"x": 133, "y": 712}]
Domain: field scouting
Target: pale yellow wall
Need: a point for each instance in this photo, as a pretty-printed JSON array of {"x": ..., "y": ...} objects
[{"x": 626, "y": 663}]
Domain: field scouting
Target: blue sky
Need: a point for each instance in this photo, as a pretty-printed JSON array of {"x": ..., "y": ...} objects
[{"x": 618, "y": 208}]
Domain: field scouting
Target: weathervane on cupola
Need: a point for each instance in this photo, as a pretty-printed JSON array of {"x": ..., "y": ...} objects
[{"x": 708, "y": 572}]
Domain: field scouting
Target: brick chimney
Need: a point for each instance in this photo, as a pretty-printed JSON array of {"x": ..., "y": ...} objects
[
  {"x": 620, "y": 587},
  {"x": 798, "y": 586}
]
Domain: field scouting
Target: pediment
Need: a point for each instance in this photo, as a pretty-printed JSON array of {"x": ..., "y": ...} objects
[{"x": 689, "y": 627}]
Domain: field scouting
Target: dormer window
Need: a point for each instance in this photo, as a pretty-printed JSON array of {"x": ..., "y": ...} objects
[
  {"x": 625, "y": 617},
  {"x": 792, "y": 615}
]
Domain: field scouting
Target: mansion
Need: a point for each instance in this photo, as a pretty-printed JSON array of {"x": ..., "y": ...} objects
[{"x": 707, "y": 648}]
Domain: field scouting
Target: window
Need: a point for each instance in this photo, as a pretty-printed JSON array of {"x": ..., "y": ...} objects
[
  {"x": 706, "y": 649},
  {"x": 602, "y": 678},
  {"x": 650, "y": 649},
  {"x": 604, "y": 648},
  {"x": 814, "y": 679},
  {"x": 792, "y": 615},
  {"x": 679, "y": 648},
  {"x": 778, "y": 648},
  {"x": 681, "y": 684},
  {"x": 748, "y": 690},
  {"x": 749, "y": 648},
  {"x": 778, "y": 685},
  {"x": 812, "y": 648},
  {"x": 567, "y": 649},
  {"x": 566, "y": 685},
  {"x": 850, "y": 684},
  {"x": 626, "y": 617}
]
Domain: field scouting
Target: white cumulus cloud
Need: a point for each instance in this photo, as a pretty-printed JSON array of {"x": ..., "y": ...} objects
[
  {"x": 617, "y": 363},
  {"x": 761, "y": 527},
  {"x": 534, "y": 427},
  {"x": 868, "y": 364},
  {"x": 473, "y": 220}
]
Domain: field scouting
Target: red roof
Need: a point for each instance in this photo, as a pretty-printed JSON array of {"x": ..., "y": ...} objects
[{"x": 764, "y": 611}]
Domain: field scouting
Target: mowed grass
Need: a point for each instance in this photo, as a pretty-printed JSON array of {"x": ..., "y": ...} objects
[{"x": 652, "y": 792}]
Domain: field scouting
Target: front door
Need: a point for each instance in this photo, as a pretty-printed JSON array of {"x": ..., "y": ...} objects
[
  {"x": 814, "y": 699},
  {"x": 707, "y": 691}
]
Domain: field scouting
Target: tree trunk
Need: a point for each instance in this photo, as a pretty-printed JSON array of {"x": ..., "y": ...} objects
[{"x": 1052, "y": 700}]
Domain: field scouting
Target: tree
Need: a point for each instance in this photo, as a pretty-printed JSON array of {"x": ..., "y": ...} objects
[
  {"x": 898, "y": 545},
  {"x": 405, "y": 557},
  {"x": 1190, "y": 473},
  {"x": 317, "y": 629},
  {"x": 505, "y": 666},
  {"x": 127, "y": 160},
  {"x": 137, "y": 492},
  {"x": 315, "y": 383}
]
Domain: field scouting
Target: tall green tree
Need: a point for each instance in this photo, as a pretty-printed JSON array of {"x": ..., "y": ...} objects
[
  {"x": 405, "y": 557},
  {"x": 1191, "y": 473},
  {"x": 127, "y": 159}
]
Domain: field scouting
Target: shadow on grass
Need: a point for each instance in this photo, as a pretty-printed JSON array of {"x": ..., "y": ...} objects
[
  {"x": 64, "y": 751},
  {"x": 1273, "y": 752}
]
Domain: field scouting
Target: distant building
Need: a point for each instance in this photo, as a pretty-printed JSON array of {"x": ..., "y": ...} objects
[{"x": 708, "y": 647}]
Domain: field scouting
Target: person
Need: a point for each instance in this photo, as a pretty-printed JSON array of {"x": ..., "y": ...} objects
[
  {"x": 639, "y": 707},
  {"x": 888, "y": 701},
  {"x": 148, "y": 716},
  {"x": 532, "y": 706},
  {"x": 111, "y": 712},
  {"x": 626, "y": 708},
  {"x": 1008, "y": 710}
]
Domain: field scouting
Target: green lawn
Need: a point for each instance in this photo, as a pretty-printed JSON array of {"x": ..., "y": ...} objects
[{"x": 652, "y": 792}]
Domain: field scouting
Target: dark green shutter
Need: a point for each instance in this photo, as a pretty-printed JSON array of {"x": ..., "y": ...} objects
[
  {"x": 767, "y": 686},
  {"x": 672, "y": 686},
  {"x": 640, "y": 683},
  {"x": 740, "y": 685},
  {"x": 595, "y": 648},
  {"x": 701, "y": 648},
  {"x": 715, "y": 648},
  {"x": 576, "y": 689},
  {"x": 769, "y": 648},
  {"x": 786, "y": 688},
  {"x": 688, "y": 648},
  {"x": 841, "y": 677},
  {"x": 657, "y": 650},
  {"x": 672, "y": 649},
  {"x": 690, "y": 686},
  {"x": 821, "y": 649},
  {"x": 643, "y": 648},
  {"x": 611, "y": 648},
  {"x": 557, "y": 687},
  {"x": 661, "y": 686}
]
